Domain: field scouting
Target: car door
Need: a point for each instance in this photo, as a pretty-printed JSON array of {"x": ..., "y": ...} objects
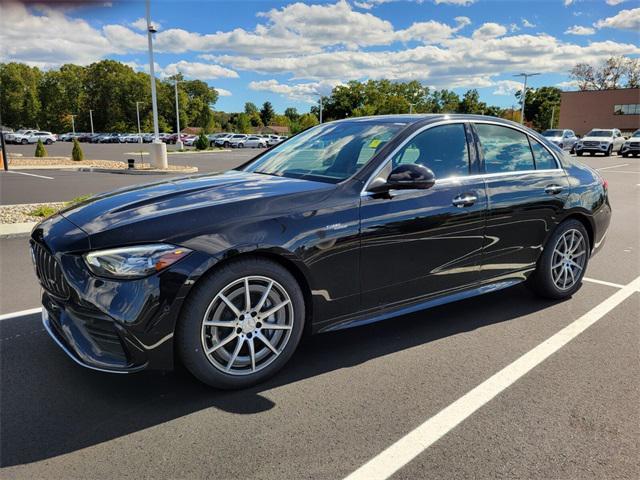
[
  {"x": 526, "y": 191},
  {"x": 419, "y": 243}
]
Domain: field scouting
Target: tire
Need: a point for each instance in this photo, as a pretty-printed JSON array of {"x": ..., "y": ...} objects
[
  {"x": 192, "y": 336},
  {"x": 547, "y": 280},
  {"x": 48, "y": 141},
  {"x": 226, "y": 144},
  {"x": 579, "y": 154},
  {"x": 624, "y": 155},
  {"x": 609, "y": 151},
  {"x": 24, "y": 141}
]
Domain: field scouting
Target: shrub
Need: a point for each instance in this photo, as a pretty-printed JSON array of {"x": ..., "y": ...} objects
[
  {"x": 43, "y": 211},
  {"x": 76, "y": 153},
  {"x": 40, "y": 150},
  {"x": 202, "y": 142}
]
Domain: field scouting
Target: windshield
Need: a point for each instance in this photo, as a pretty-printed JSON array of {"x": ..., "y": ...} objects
[
  {"x": 599, "y": 133},
  {"x": 636, "y": 134},
  {"x": 327, "y": 153},
  {"x": 552, "y": 133}
]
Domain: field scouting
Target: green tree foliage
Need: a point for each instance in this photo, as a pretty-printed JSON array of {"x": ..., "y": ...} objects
[
  {"x": 292, "y": 114},
  {"x": 202, "y": 142},
  {"x": 471, "y": 103},
  {"x": 31, "y": 98},
  {"x": 243, "y": 123},
  {"x": 40, "y": 150},
  {"x": 305, "y": 121},
  {"x": 77, "y": 154},
  {"x": 540, "y": 106},
  {"x": 250, "y": 108},
  {"x": 267, "y": 113}
]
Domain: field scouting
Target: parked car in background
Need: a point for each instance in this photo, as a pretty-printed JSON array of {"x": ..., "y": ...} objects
[
  {"x": 275, "y": 140},
  {"x": 132, "y": 138},
  {"x": 632, "y": 145},
  {"x": 255, "y": 142},
  {"x": 173, "y": 138},
  {"x": 564, "y": 139},
  {"x": 45, "y": 137},
  {"x": 605, "y": 141},
  {"x": 111, "y": 138},
  {"x": 19, "y": 136},
  {"x": 65, "y": 137},
  {"x": 237, "y": 140},
  {"x": 148, "y": 137},
  {"x": 224, "y": 140},
  {"x": 214, "y": 136},
  {"x": 393, "y": 216},
  {"x": 189, "y": 140}
]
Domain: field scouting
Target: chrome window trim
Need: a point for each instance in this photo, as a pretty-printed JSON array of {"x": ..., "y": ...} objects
[{"x": 365, "y": 193}]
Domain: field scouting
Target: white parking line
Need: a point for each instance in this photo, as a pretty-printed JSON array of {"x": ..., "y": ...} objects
[
  {"x": 613, "y": 166},
  {"x": 602, "y": 282},
  {"x": 385, "y": 464},
  {"x": 622, "y": 171},
  {"x": 30, "y": 174},
  {"x": 21, "y": 313}
]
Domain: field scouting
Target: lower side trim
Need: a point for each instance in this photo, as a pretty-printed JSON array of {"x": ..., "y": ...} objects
[{"x": 423, "y": 305}]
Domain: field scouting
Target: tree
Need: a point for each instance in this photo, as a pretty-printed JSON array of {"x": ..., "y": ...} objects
[
  {"x": 19, "y": 101},
  {"x": 471, "y": 103},
  {"x": 607, "y": 75},
  {"x": 76, "y": 153},
  {"x": 243, "y": 123},
  {"x": 305, "y": 121},
  {"x": 267, "y": 113},
  {"x": 202, "y": 142},
  {"x": 40, "y": 150},
  {"x": 250, "y": 108},
  {"x": 292, "y": 114},
  {"x": 540, "y": 106}
]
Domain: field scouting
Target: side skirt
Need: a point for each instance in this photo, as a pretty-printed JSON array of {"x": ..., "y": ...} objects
[{"x": 372, "y": 317}]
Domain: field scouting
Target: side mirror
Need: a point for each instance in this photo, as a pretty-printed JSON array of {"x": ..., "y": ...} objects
[{"x": 406, "y": 177}]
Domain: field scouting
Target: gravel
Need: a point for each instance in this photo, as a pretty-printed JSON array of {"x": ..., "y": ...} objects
[{"x": 21, "y": 213}]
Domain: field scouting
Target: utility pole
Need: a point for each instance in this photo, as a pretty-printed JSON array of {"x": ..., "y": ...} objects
[
  {"x": 5, "y": 159},
  {"x": 524, "y": 91},
  {"x": 411, "y": 108},
  {"x": 553, "y": 113},
  {"x": 179, "y": 145},
  {"x": 138, "y": 116},
  {"x": 158, "y": 148},
  {"x": 73, "y": 124},
  {"x": 320, "y": 96},
  {"x": 91, "y": 120}
]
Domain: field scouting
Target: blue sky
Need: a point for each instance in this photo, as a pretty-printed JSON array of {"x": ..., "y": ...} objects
[{"x": 284, "y": 52}]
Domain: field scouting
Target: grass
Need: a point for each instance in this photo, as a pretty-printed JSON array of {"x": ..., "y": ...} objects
[{"x": 45, "y": 211}]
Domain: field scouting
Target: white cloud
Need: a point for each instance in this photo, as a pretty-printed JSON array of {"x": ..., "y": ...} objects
[
  {"x": 568, "y": 2},
  {"x": 200, "y": 71},
  {"x": 489, "y": 30},
  {"x": 624, "y": 20},
  {"x": 306, "y": 92},
  {"x": 527, "y": 24},
  {"x": 615, "y": 2},
  {"x": 507, "y": 87},
  {"x": 223, "y": 92},
  {"x": 568, "y": 85},
  {"x": 141, "y": 24},
  {"x": 464, "y": 3},
  {"x": 580, "y": 30}
]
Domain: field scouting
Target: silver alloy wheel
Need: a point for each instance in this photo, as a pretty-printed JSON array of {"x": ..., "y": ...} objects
[
  {"x": 247, "y": 325},
  {"x": 568, "y": 259}
]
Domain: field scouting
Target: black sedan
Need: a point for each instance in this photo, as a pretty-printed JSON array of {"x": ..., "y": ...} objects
[{"x": 347, "y": 223}]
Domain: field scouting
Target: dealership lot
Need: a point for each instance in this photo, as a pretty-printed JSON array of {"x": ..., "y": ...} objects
[{"x": 347, "y": 396}]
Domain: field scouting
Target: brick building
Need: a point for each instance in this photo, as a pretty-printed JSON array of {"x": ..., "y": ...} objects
[{"x": 583, "y": 110}]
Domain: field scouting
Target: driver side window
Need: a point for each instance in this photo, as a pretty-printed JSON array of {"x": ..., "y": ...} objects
[{"x": 443, "y": 149}]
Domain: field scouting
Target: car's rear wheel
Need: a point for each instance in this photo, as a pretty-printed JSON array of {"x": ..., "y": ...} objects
[
  {"x": 563, "y": 262},
  {"x": 48, "y": 141},
  {"x": 24, "y": 141},
  {"x": 609, "y": 151},
  {"x": 579, "y": 154},
  {"x": 241, "y": 324}
]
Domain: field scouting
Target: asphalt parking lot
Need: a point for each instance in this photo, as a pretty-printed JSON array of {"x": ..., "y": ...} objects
[{"x": 501, "y": 386}]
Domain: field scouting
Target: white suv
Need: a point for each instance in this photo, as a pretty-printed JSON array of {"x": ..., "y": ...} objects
[
  {"x": 238, "y": 140},
  {"x": 599, "y": 140},
  {"x": 46, "y": 137},
  {"x": 21, "y": 136}
]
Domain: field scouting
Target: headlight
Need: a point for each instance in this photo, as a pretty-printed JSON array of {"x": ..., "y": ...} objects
[
  {"x": 604, "y": 144},
  {"x": 134, "y": 262}
]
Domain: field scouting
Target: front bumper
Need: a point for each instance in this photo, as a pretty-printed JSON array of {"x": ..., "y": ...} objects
[
  {"x": 632, "y": 148},
  {"x": 592, "y": 148}
]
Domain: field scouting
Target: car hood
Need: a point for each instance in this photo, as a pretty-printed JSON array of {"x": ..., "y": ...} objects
[
  {"x": 596, "y": 139},
  {"x": 153, "y": 207}
]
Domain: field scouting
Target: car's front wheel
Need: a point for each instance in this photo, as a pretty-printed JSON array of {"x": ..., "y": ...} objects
[
  {"x": 563, "y": 262},
  {"x": 241, "y": 324}
]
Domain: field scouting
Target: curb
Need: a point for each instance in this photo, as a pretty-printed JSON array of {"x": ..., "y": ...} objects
[{"x": 12, "y": 230}]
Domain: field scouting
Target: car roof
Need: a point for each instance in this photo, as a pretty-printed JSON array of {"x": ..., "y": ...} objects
[{"x": 426, "y": 118}]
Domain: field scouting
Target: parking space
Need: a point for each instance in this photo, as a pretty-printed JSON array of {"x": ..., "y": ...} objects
[{"x": 346, "y": 397}]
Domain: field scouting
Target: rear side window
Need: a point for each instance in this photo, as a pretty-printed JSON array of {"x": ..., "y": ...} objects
[
  {"x": 504, "y": 149},
  {"x": 544, "y": 159},
  {"x": 443, "y": 149}
]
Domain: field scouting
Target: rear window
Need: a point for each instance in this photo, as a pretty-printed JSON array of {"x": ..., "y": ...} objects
[
  {"x": 504, "y": 149},
  {"x": 544, "y": 159}
]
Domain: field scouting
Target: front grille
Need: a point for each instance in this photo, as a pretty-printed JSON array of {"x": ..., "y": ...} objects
[
  {"x": 104, "y": 334},
  {"x": 591, "y": 144},
  {"x": 634, "y": 144},
  {"x": 49, "y": 272}
]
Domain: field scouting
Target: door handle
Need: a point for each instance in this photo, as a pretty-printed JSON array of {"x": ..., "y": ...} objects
[
  {"x": 553, "y": 189},
  {"x": 464, "y": 200}
]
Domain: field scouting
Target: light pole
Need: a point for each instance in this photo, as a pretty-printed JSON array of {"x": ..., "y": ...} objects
[
  {"x": 73, "y": 124},
  {"x": 158, "y": 149},
  {"x": 320, "y": 96},
  {"x": 411, "y": 108},
  {"x": 524, "y": 91},
  {"x": 91, "y": 120},
  {"x": 179, "y": 145},
  {"x": 138, "y": 116}
]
